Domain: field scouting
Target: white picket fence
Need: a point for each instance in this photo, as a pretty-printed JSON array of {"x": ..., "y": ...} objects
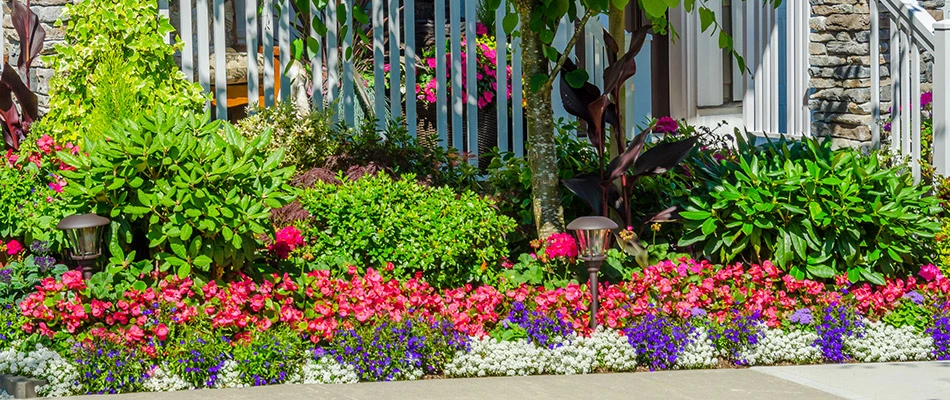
[{"x": 912, "y": 30}]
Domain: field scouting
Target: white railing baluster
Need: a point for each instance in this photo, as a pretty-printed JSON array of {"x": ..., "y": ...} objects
[
  {"x": 188, "y": 51},
  {"x": 914, "y": 138},
  {"x": 220, "y": 63},
  {"x": 875, "y": 45},
  {"x": 333, "y": 59},
  {"x": 251, "y": 39},
  {"x": 395, "y": 63},
  {"x": 349, "y": 68},
  {"x": 316, "y": 60},
  {"x": 379, "y": 79},
  {"x": 501, "y": 78},
  {"x": 941, "y": 100},
  {"x": 204, "y": 51},
  {"x": 410, "y": 53},
  {"x": 905, "y": 94},
  {"x": 894, "y": 66},
  {"x": 441, "y": 91},
  {"x": 471, "y": 112},
  {"x": 267, "y": 27},
  {"x": 283, "y": 43},
  {"x": 455, "y": 25}
]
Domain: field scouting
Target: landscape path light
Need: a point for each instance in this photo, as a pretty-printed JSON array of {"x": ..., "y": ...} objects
[
  {"x": 84, "y": 236},
  {"x": 593, "y": 240}
]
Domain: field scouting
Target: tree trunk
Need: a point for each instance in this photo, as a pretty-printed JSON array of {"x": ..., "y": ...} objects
[
  {"x": 542, "y": 152},
  {"x": 617, "y": 27}
]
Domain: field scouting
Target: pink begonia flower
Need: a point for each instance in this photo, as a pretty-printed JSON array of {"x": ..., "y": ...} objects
[{"x": 926, "y": 99}]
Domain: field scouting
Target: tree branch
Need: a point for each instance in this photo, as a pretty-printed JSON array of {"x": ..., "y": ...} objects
[{"x": 567, "y": 49}]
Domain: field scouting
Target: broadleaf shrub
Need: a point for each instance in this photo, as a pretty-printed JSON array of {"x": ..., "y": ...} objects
[
  {"x": 451, "y": 238},
  {"x": 191, "y": 191},
  {"x": 814, "y": 211}
]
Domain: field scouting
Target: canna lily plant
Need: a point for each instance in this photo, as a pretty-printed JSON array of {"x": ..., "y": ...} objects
[
  {"x": 16, "y": 122},
  {"x": 612, "y": 187}
]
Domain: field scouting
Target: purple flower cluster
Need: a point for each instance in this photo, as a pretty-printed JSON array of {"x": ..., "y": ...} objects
[
  {"x": 697, "y": 312},
  {"x": 198, "y": 361},
  {"x": 801, "y": 316},
  {"x": 6, "y": 276},
  {"x": 738, "y": 333},
  {"x": 940, "y": 332},
  {"x": 915, "y": 297},
  {"x": 106, "y": 368},
  {"x": 541, "y": 329},
  {"x": 836, "y": 324},
  {"x": 658, "y": 341}
]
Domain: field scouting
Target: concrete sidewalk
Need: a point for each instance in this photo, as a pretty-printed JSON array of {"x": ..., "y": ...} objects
[{"x": 851, "y": 381}]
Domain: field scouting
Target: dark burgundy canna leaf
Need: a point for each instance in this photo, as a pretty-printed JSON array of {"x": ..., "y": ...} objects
[
  {"x": 619, "y": 165},
  {"x": 32, "y": 34},
  {"x": 663, "y": 157},
  {"x": 577, "y": 100},
  {"x": 618, "y": 72},
  {"x": 15, "y": 125},
  {"x": 639, "y": 37},
  {"x": 597, "y": 109},
  {"x": 588, "y": 188},
  {"x": 667, "y": 215}
]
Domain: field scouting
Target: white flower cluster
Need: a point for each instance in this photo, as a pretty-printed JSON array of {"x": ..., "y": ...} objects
[
  {"x": 41, "y": 363},
  {"x": 881, "y": 342},
  {"x": 4, "y": 395},
  {"x": 699, "y": 352},
  {"x": 162, "y": 380},
  {"x": 326, "y": 370},
  {"x": 229, "y": 376},
  {"x": 605, "y": 349},
  {"x": 776, "y": 345}
]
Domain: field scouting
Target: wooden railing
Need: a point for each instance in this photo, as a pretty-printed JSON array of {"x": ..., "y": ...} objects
[{"x": 912, "y": 30}]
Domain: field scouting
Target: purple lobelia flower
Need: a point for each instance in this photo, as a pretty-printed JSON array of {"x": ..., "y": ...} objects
[
  {"x": 836, "y": 324},
  {"x": 697, "y": 312},
  {"x": 6, "y": 276},
  {"x": 940, "y": 331},
  {"x": 542, "y": 330},
  {"x": 658, "y": 341}
]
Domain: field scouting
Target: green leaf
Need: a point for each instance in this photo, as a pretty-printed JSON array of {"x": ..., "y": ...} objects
[
  {"x": 537, "y": 81},
  {"x": 577, "y": 78},
  {"x": 706, "y": 17},
  {"x": 695, "y": 215},
  {"x": 184, "y": 270},
  {"x": 821, "y": 271},
  {"x": 510, "y": 22}
]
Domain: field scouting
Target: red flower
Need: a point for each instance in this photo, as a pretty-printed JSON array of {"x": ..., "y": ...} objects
[
  {"x": 73, "y": 280},
  {"x": 666, "y": 125},
  {"x": 135, "y": 334}
]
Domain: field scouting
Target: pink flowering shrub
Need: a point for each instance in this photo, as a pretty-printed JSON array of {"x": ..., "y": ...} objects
[
  {"x": 285, "y": 241},
  {"x": 318, "y": 304}
]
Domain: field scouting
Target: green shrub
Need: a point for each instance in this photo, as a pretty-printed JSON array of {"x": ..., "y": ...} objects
[
  {"x": 451, "y": 238},
  {"x": 814, "y": 212},
  {"x": 190, "y": 191},
  {"x": 29, "y": 207},
  {"x": 97, "y": 31},
  {"x": 306, "y": 139}
]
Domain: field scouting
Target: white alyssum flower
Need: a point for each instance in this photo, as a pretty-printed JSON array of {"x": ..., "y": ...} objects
[
  {"x": 4, "y": 395},
  {"x": 881, "y": 342},
  {"x": 42, "y": 363},
  {"x": 699, "y": 352},
  {"x": 162, "y": 380},
  {"x": 326, "y": 370},
  {"x": 776, "y": 345},
  {"x": 229, "y": 376},
  {"x": 604, "y": 349}
]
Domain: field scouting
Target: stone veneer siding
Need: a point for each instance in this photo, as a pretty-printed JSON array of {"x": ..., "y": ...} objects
[{"x": 841, "y": 68}]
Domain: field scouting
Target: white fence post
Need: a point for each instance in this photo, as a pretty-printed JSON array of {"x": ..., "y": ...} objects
[{"x": 941, "y": 99}]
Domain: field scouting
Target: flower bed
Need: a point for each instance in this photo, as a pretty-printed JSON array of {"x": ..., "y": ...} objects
[{"x": 317, "y": 328}]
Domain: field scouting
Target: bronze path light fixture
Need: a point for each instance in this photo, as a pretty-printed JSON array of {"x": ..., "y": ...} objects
[
  {"x": 84, "y": 235},
  {"x": 593, "y": 239}
]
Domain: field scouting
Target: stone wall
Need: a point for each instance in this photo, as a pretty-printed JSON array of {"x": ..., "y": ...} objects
[
  {"x": 48, "y": 12},
  {"x": 841, "y": 68}
]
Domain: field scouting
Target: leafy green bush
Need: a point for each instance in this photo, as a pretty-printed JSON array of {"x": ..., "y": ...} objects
[
  {"x": 814, "y": 211},
  {"x": 29, "y": 208},
  {"x": 23, "y": 272},
  {"x": 189, "y": 191},
  {"x": 451, "y": 238},
  {"x": 97, "y": 31},
  {"x": 305, "y": 139}
]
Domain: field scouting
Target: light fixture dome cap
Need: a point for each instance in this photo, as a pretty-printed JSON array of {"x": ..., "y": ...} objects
[{"x": 592, "y": 223}]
